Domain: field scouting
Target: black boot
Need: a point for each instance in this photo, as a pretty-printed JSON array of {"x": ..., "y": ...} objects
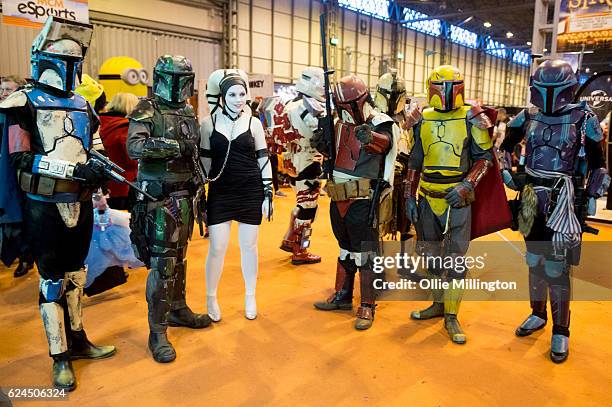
[
  {"x": 81, "y": 348},
  {"x": 187, "y": 318},
  {"x": 23, "y": 268},
  {"x": 63, "y": 373},
  {"x": 180, "y": 314},
  {"x": 161, "y": 349},
  {"x": 158, "y": 301},
  {"x": 342, "y": 299}
]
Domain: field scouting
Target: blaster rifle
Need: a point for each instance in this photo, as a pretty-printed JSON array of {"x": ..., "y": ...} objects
[
  {"x": 112, "y": 171},
  {"x": 328, "y": 120}
]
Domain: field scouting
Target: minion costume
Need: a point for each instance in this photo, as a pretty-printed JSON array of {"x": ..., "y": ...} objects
[
  {"x": 451, "y": 154},
  {"x": 123, "y": 75}
]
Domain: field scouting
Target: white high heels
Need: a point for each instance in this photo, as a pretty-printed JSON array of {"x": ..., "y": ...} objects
[
  {"x": 214, "y": 312},
  {"x": 250, "y": 307}
]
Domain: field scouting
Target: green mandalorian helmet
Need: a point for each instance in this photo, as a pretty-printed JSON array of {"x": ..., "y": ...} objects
[{"x": 173, "y": 78}]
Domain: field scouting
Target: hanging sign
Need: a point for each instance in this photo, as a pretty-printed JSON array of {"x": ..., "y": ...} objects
[{"x": 34, "y": 13}]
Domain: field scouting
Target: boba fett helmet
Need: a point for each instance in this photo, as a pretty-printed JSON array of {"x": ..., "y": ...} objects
[{"x": 173, "y": 78}]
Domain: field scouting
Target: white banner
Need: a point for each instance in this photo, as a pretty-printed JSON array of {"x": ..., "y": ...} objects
[
  {"x": 261, "y": 85},
  {"x": 34, "y": 13}
]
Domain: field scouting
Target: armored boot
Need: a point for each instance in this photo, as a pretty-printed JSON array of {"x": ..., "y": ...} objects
[
  {"x": 452, "y": 299},
  {"x": 436, "y": 309},
  {"x": 23, "y": 268},
  {"x": 80, "y": 347},
  {"x": 290, "y": 237},
  {"x": 342, "y": 299},
  {"x": 180, "y": 314},
  {"x": 54, "y": 322},
  {"x": 303, "y": 230},
  {"x": 365, "y": 313},
  {"x": 538, "y": 288},
  {"x": 158, "y": 302},
  {"x": 559, "y": 304}
]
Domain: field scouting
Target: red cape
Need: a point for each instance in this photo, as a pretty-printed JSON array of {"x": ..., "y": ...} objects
[{"x": 490, "y": 210}]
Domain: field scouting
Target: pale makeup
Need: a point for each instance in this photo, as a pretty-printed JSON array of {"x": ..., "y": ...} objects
[{"x": 235, "y": 99}]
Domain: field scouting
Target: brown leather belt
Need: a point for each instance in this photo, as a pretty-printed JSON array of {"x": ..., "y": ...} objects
[
  {"x": 432, "y": 194},
  {"x": 47, "y": 186}
]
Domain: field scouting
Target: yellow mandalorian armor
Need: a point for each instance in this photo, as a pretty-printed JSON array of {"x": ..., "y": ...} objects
[{"x": 444, "y": 136}]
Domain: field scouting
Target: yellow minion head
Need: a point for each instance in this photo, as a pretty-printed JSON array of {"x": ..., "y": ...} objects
[
  {"x": 123, "y": 75},
  {"x": 89, "y": 89},
  {"x": 445, "y": 88}
]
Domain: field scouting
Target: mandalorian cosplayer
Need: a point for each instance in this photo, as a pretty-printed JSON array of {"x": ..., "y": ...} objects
[
  {"x": 49, "y": 136},
  {"x": 163, "y": 136},
  {"x": 450, "y": 156},
  {"x": 564, "y": 174},
  {"x": 366, "y": 147},
  {"x": 390, "y": 98}
]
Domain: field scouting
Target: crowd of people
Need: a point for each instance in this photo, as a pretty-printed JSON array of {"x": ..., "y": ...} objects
[{"x": 388, "y": 163}]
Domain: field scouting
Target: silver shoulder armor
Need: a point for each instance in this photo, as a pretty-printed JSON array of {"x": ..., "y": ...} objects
[
  {"x": 380, "y": 118},
  {"x": 15, "y": 99}
]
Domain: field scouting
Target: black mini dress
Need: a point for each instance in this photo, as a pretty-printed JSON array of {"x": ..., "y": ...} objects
[{"x": 238, "y": 193}]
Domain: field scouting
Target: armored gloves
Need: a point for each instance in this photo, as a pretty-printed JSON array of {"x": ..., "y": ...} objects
[
  {"x": 188, "y": 148},
  {"x": 460, "y": 195},
  {"x": 363, "y": 133},
  {"x": 92, "y": 172}
]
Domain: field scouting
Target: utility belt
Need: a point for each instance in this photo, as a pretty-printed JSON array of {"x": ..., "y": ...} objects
[
  {"x": 552, "y": 182},
  {"x": 432, "y": 194},
  {"x": 354, "y": 189},
  {"x": 160, "y": 189},
  {"x": 46, "y": 186}
]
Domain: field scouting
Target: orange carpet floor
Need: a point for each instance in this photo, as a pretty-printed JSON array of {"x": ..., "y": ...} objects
[{"x": 293, "y": 355}]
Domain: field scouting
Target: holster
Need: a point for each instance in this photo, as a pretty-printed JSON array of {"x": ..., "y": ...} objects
[
  {"x": 349, "y": 190},
  {"x": 138, "y": 236}
]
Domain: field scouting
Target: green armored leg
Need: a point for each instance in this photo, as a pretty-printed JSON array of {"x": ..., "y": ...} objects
[
  {"x": 452, "y": 299},
  {"x": 436, "y": 309},
  {"x": 180, "y": 314},
  {"x": 163, "y": 236}
]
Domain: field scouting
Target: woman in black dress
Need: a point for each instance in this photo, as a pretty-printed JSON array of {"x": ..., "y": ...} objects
[{"x": 236, "y": 161}]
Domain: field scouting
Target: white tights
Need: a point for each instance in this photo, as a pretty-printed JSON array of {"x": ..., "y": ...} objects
[{"x": 219, "y": 236}]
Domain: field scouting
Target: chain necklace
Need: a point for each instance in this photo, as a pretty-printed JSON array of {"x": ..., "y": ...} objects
[{"x": 229, "y": 144}]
